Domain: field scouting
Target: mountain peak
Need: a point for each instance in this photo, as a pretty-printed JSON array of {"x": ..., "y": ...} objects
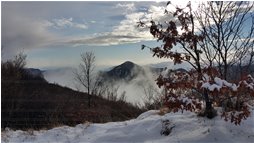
[
  {"x": 127, "y": 64},
  {"x": 126, "y": 70}
]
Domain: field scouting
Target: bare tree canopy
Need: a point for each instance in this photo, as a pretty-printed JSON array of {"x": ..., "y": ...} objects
[
  {"x": 228, "y": 30},
  {"x": 84, "y": 75},
  {"x": 213, "y": 39}
]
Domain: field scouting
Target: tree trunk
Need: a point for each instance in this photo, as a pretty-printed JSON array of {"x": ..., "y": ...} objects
[
  {"x": 88, "y": 90},
  {"x": 89, "y": 100},
  {"x": 209, "y": 111},
  {"x": 225, "y": 70}
]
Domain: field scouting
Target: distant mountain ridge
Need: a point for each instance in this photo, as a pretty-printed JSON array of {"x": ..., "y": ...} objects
[
  {"x": 126, "y": 71},
  {"x": 129, "y": 70}
]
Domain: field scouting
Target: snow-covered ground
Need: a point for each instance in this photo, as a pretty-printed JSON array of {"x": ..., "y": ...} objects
[{"x": 186, "y": 128}]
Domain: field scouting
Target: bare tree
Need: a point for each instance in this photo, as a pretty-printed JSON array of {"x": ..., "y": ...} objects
[
  {"x": 84, "y": 75},
  {"x": 14, "y": 68},
  {"x": 219, "y": 35},
  {"x": 228, "y": 39},
  {"x": 186, "y": 39},
  {"x": 152, "y": 98}
]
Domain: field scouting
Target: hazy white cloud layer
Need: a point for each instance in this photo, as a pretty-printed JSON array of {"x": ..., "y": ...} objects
[
  {"x": 19, "y": 33},
  {"x": 28, "y": 25},
  {"x": 105, "y": 39},
  {"x": 134, "y": 89},
  {"x": 126, "y": 31},
  {"x": 67, "y": 23},
  {"x": 127, "y": 6},
  {"x": 24, "y": 29}
]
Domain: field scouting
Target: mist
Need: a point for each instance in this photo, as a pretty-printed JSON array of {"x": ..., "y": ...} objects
[
  {"x": 61, "y": 76},
  {"x": 134, "y": 89}
]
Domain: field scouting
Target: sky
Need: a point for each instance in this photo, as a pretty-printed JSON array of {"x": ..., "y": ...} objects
[{"x": 54, "y": 34}]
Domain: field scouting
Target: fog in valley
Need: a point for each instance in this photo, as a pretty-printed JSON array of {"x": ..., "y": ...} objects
[{"x": 134, "y": 89}]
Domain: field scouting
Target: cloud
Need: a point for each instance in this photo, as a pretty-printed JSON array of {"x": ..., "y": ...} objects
[
  {"x": 126, "y": 6},
  {"x": 67, "y": 23},
  {"x": 25, "y": 30},
  {"x": 117, "y": 17},
  {"x": 105, "y": 39},
  {"x": 20, "y": 33},
  {"x": 127, "y": 30}
]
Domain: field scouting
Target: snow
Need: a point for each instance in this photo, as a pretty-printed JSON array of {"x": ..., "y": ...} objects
[
  {"x": 206, "y": 77},
  {"x": 218, "y": 84},
  {"x": 186, "y": 128},
  {"x": 249, "y": 85},
  {"x": 211, "y": 87}
]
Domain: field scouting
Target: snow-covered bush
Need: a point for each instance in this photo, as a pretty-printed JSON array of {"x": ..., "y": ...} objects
[
  {"x": 186, "y": 92},
  {"x": 188, "y": 36}
]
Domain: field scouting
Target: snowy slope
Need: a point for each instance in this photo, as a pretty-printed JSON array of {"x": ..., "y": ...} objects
[{"x": 187, "y": 127}]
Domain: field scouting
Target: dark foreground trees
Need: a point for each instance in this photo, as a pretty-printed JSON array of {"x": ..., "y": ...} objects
[
  {"x": 30, "y": 102},
  {"x": 14, "y": 69},
  {"x": 213, "y": 39}
]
